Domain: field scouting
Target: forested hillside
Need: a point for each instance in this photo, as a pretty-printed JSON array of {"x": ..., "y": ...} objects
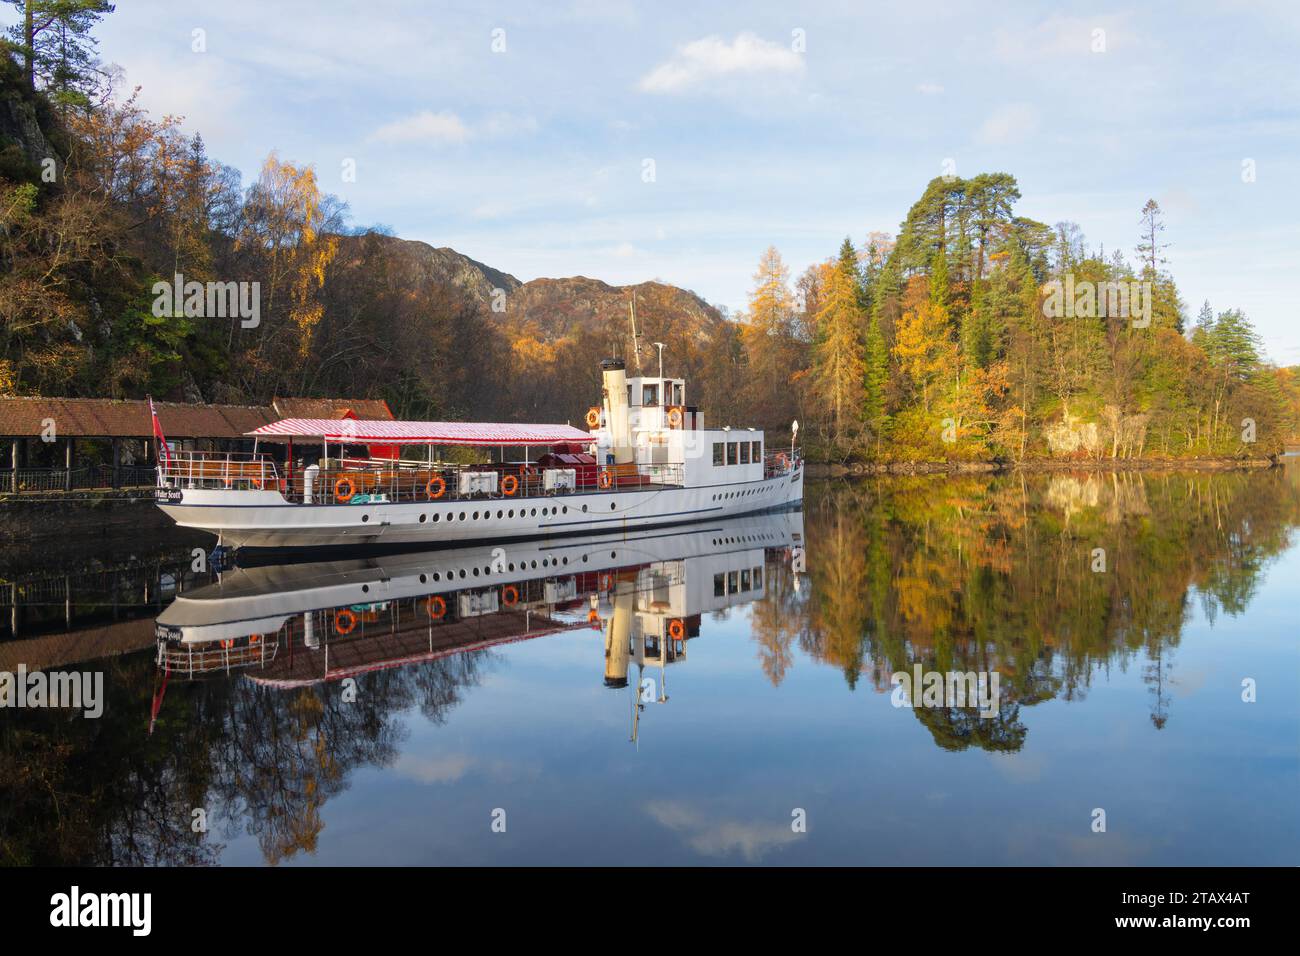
[{"x": 948, "y": 340}]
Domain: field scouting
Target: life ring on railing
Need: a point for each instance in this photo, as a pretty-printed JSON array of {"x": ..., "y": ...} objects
[
  {"x": 256, "y": 483},
  {"x": 593, "y": 616},
  {"x": 676, "y": 630},
  {"x": 606, "y": 479},
  {"x": 227, "y": 644},
  {"x": 593, "y": 417},
  {"x": 345, "y": 622},
  {"x": 674, "y": 417},
  {"x": 436, "y": 607},
  {"x": 436, "y": 488},
  {"x": 340, "y": 494},
  {"x": 254, "y": 639},
  {"x": 509, "y": 595},
  {"x": 509, "y": 485}
]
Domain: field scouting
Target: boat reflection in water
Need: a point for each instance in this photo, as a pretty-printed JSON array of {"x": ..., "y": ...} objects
[{"x": 294, "y": 626}]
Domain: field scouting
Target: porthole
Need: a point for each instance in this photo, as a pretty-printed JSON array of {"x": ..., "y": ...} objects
[
  {"x": 475, "y": 571},
  {"x": 512, "y": 512},
  {"x": 462, "y": 516},
  {"x": 437, "y": 576},
  {"x": 462, "y": 572},
  {"x": 365, "y": 589},
  {"x": 365, "y": 518},
  {"x": 584, "y": 509},
  {"x": 424, "y": 579},
  {"x": 423, "y": 518},
  {"x": 611, "y": 505},
  {"x": 476, "y": 516},
  {"x": 566, "y": 509},
  {"x": 436, "y": 517},
  {"x": 512, "y": 565}
]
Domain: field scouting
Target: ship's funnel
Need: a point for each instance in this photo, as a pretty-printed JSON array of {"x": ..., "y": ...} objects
[
  {"x": 614, "y": 385},
  {"x": 618, "y": 636}
]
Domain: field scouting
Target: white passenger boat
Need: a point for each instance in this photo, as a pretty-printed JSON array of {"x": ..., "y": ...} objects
[{"x": 648, "y": 460}]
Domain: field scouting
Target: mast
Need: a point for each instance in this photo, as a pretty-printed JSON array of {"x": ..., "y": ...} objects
[{"x": 636, "y": 349}]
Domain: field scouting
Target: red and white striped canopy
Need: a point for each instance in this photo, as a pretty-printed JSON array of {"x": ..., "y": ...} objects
[{"x": 350, "y": 430}]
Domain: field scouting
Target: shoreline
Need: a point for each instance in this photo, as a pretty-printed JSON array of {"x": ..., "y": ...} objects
[{"x": 815, "y": 469}]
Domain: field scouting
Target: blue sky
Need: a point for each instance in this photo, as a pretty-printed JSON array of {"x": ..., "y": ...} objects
[{"x": 531, "y": 159}]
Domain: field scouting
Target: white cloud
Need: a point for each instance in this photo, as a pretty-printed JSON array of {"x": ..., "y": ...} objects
[
  {"x": 424, "y": 127},
  {"x": 721, "y": 838},
  {"x": 446, "y": 127},
  {"x": 930, "y": 89},
  {"x": 1060, "y": 37},
  {"x": 700, "y": 61},
  {"x": 1008, "y": 124}
]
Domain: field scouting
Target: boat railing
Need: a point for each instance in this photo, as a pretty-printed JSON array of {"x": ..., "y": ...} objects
[
  {"x": 190, "y": 659},
  {"x": 372, "y": 481},
  {"x": 218, "y": 469},
  {"x": 778, "y": 463}
]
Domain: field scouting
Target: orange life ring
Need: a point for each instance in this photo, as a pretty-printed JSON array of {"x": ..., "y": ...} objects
[
  {"x": 606, "y": 479},
  {"x": 341, "y": 495},
  {"x": 674, "y": 417},
  {"x": 593, "y": 417},
  {"x": 254, "y": 639},
  {"x": 435, "y": 607},
  {"x": 593, "y": 616},
  {"x": 439, "y": 484},
  {"x": 345, "y": 622},
  {"x": 676, "y": 630},
  {"x": 509, "y": 595},
  {"x": 227, "y": 644},
  {"x": 509, "y": 485}
]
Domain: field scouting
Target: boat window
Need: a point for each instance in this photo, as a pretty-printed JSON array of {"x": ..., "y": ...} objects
[
  {"x": 732, "y": 453},
  {"x": 758, "y": 451},
  {"x": 719, "y": 585},
  {"x": 649, "y": 394},
  {"x": 717, "y": 453},
  {"x": 744, "y": 453},
  {"x": 679, "y": 398}
]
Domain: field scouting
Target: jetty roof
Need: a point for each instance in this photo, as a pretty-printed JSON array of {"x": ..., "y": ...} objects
[
  {"x": 389, "y": 432},
  {"x": 129, "y": 418}
]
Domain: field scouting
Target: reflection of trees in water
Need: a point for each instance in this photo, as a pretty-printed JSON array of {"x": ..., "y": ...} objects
[
  {"x": 989, "y": 573},
  {"x": 263, "y": 759},
  {"x": 100, "y": 792},
  {"x": 284, "y": 752}
]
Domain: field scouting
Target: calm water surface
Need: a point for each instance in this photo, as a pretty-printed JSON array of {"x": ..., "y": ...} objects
[{"x": 369, "y": 722}]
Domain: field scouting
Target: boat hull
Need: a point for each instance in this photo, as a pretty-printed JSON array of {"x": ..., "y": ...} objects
[{"x": 264, "y": 519}]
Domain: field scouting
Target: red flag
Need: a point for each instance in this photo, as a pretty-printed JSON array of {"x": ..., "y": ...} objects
[{"x": 163, "y": 450}]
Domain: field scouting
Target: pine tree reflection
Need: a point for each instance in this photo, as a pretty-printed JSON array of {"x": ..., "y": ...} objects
[{"x": 1004, "y": 573}]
